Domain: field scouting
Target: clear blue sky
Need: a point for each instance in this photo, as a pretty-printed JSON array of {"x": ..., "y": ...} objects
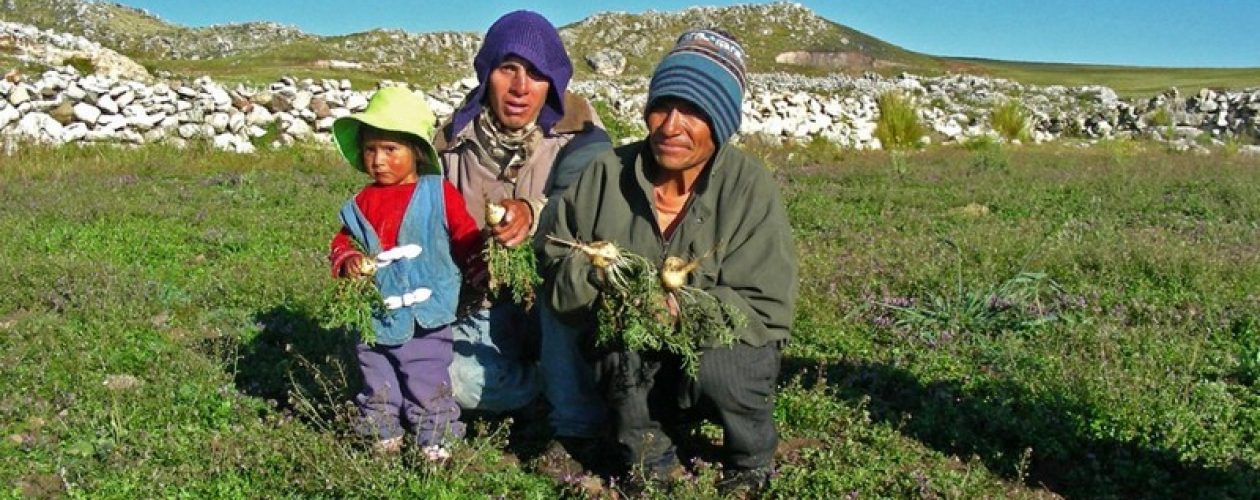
[{"x": 1180, "y": 33}]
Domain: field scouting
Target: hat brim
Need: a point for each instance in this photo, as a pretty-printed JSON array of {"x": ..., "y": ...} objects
[{"x": 346, "y": 135}]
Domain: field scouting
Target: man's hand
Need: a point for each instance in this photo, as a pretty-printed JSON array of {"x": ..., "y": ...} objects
[{"x": 514, "y": 228}]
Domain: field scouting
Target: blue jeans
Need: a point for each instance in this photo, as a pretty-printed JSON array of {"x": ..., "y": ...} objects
[
  {"x": 489, "y": 372},
  {"x": 577, "y": 410}
]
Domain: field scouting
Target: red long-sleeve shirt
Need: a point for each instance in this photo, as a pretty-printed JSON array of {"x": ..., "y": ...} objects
[{"x": 384, "y": 207}]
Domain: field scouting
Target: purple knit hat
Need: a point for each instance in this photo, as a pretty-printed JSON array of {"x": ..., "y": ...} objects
[{"x": 531, "y": 37}]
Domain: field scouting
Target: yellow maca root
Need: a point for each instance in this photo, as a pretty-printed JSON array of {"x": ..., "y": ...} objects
[
  {"x": 674, "y": 272},
  {"x": 367, "y": 266}
]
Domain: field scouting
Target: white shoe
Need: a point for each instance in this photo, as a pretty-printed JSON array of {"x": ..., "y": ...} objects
[
  {"x": 436, "y": 453},
  {"x": 388, "y": 446}
]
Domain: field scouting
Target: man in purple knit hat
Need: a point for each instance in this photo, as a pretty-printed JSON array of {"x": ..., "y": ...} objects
[{"x": 519, "y": 139}]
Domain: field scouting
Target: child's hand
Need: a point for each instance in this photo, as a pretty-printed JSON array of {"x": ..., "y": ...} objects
[
  {"x": 351, "y": 267},
  {"x": 515, "y": 226}
]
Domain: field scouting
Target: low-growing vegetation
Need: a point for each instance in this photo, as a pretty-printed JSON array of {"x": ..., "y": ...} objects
[
  {"x": 1073, "y": 322},
  {"x": 1011, "y": 121}
]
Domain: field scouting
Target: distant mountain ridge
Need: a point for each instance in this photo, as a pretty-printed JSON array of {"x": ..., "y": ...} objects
[{"x": 769, "y": 31}]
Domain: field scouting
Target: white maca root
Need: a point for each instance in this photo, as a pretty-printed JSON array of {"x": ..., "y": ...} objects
[
  {"x": 495, "y": 213},
  {"x": 603, "y": 254}
]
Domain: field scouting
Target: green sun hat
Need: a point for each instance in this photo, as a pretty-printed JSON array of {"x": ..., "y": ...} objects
[{"x": 393, "y": 109}]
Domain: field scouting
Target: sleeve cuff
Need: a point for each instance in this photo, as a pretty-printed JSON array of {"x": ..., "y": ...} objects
[{"x": 535, "y": 207}]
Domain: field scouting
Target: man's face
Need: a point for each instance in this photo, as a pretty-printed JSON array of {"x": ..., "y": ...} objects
[
  {"x": 389, "y": 160},
  {"x": 516, "y": 92},
  {"x": 679, "y": 134}
]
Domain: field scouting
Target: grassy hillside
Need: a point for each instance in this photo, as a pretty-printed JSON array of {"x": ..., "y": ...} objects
[
  {"x": 1128, "y": 81},
  {"x": 161, "y": 330}
]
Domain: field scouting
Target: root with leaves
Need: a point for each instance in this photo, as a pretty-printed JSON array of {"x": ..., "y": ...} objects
[{"x": 634, "y": 310}]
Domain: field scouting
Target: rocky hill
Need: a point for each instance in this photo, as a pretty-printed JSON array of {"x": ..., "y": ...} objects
[{"x": 778, "y": 36}]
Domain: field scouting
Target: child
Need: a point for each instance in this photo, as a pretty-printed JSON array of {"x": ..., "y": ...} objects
[{"x": 414, "y": 227}]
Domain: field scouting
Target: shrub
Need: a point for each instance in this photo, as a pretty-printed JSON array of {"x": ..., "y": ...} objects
[
  {"x": 987, "y": 153},
  {"x": 1160, "y": 117},
  {"x": 81, "y": 64},
  {"x": 1011, "y": 121},
  {"x": 898, "y": 126},
  {"x": 617, "y": 128}
]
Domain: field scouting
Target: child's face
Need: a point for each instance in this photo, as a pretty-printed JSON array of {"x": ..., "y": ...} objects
[{"x": 390, "y": 162}]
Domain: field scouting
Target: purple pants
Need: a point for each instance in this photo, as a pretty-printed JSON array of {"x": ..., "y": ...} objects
[{"x": 409, "y": 386}]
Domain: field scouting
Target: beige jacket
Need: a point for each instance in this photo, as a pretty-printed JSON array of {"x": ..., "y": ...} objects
[{"x": 479, "y": 183}]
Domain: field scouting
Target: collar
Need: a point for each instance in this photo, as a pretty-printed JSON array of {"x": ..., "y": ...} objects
[
  {"x": 578, "y": 117},
  {"x": 701, "y": 203}
]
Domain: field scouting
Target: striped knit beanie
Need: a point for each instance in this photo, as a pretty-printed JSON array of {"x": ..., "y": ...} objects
[
  {"x": 530, "y": 36},
  {"x": 705, "y": 68}
]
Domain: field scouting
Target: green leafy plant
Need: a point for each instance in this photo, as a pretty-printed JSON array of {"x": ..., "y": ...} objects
[
  {"x": 987, "y": 153},
  {"x": 1021, "y": 303},
  {"x": 515, "y": 268},
  {"x": 634, "y": 307},
  {"x": 353, "y": 302}
]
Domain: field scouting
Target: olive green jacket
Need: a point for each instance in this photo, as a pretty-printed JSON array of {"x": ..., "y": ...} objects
[{"x": 735, "y": 212}]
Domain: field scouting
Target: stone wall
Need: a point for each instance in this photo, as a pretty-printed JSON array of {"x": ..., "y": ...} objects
[{"x": 127, "y": 106}]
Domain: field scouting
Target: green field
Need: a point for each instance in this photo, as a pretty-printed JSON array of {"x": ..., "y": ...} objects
[{"x": 1025, "y": 322}]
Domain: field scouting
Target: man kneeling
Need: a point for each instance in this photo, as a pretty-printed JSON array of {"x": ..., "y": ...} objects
[{"x": 685, "y": 191}]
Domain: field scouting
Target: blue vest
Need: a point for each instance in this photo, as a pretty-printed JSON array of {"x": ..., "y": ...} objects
[{"x": 418, "y": 277}]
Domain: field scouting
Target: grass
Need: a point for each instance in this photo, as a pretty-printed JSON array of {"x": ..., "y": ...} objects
[{"x": 161, "y": 331}]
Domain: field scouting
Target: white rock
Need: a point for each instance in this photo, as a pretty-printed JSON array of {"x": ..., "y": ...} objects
[
  {"x": 439, "y": 108},
  {"x": 324, "y": 124},
  {"x": 40, "y": 127},
  {"x": 219, "y": 121},
  {"x": 86, "y": 113},
  {"x": 189, "y": 131},
  {"x": 107, "y": 104},
  {"x": 298, "y": 128},
  {"x": 8, "y": 114},
  {"x": 356, "y": 102},
  {"x": 125, "y": 98},
  {"x": 74, "y": 132},
  {"x": 236, "y": 122},
  {"x": 339, "y": 112},
  {"x": 259, "y": 116},
  {"x": 75, "y": 93},
  {"x": 219, "y": 97},
  {"x": 302, "y": 101},
  {"x": 950, "y": 129},
  {"x": 468, "y": 83},
  {"x": 19, "y": 95}
]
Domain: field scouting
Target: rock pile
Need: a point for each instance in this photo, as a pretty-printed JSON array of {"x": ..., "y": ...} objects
[{"x": 62, "y": 106}]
